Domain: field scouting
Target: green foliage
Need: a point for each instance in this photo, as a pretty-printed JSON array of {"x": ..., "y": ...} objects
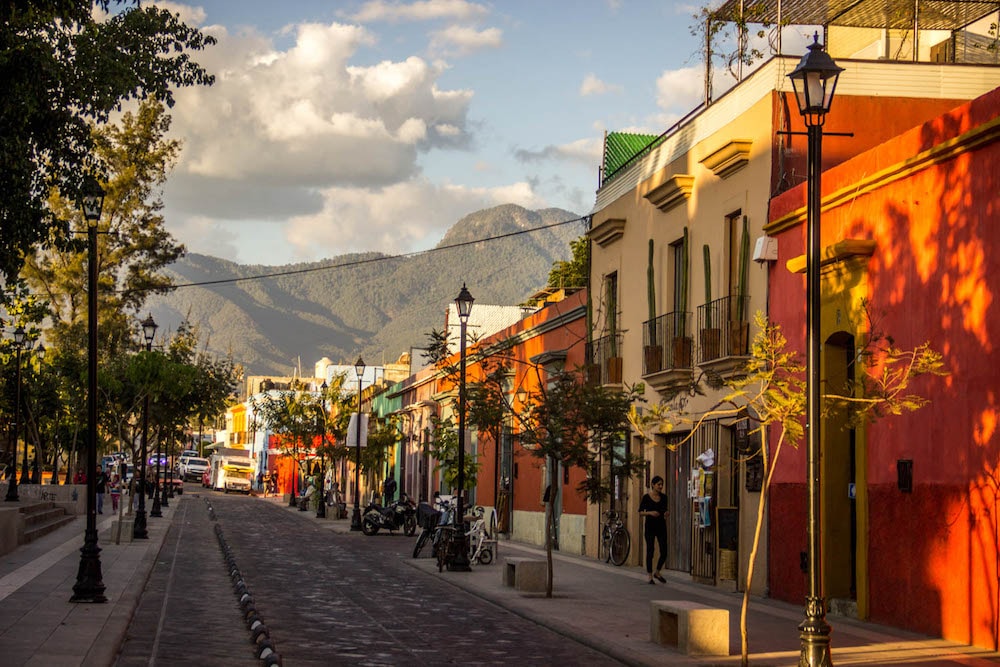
[
  {"x": 63, "y": 71},
  {"x": 576, "y": 271},
  {"x": 443, "y": 447}
]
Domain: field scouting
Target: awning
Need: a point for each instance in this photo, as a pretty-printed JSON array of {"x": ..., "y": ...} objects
[{"x": 893, "y": 14}]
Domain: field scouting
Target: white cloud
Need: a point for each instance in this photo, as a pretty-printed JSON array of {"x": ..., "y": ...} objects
[
  {"x": 397, "y": 218},
  {"x": 193, "y": 16},
  {"x": 582, "y": 151},
  {"x": 680, "y": 89},
  {"x": 423, "y": 10},
  {"x": 286, "y": 122},
  {"x": 593, "y": 86},
  {"x": 460, "y": 40}
]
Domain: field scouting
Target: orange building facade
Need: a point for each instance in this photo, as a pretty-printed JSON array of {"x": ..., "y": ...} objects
[{"x": 911, "y": 510}]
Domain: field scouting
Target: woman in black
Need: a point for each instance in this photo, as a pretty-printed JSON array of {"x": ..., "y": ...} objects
[{"x": 653, "y": 506}]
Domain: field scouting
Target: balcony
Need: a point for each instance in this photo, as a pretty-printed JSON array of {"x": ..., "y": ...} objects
[
  {"x": 667, "y": 349},
  {"x": 724, "y": 335},
  {"x": 605, "y": 361}
]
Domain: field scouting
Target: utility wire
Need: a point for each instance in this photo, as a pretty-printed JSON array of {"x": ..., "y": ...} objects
[{"x": 371, "y": 260}]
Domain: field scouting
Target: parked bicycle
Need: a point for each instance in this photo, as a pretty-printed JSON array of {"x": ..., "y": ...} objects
[{"x": 615, "y": 540}]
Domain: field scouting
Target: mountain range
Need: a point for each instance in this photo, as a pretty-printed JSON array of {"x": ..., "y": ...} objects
[{"x": 280, "y": 320}]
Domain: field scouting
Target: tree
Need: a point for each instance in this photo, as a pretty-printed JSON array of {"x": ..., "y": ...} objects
[
  {"x": 133, "y": 245},
  {"x": 576, "y": 271},
  {"x": 770, "y": 391},
  {"x": 63, "y": 71}
]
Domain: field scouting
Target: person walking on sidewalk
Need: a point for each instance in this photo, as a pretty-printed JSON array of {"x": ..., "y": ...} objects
[
  {"x": 653, "y": 506},
  {"x": 101, "y": 485}
]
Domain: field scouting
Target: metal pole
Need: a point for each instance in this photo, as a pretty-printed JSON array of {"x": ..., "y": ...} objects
[
  {"x": 89, "y": 585},
  {"x": 139, "y": 531},
  {"x": 814, "y": 631},
  {"x": 321, "y": 500},
  {"x": 12, "y": 482},
  {"x": 356, "y": 515},
  {"x": 156, "y": 512},
  {"x": 24, "y": 465},
  {"x": 460, "y": 556}
]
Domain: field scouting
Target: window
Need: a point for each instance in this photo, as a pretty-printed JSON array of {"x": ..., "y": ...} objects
[
  {"x": 611, "y": 302},
  {"x": 679, "y": 287}
]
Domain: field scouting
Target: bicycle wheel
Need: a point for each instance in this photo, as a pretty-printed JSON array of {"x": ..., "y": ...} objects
[
  {"x": 422, "y": 541},
  {"x": 444, "y": 549},
  {"x": 605, "y": 545},
  {"x": 620, "y": 545}
]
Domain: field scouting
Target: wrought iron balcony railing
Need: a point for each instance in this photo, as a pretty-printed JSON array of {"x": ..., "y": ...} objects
[
  {"x": 605, "y": 358},
  {"x": 667, "y": 343},
  {"x": 724, "y": 328}
]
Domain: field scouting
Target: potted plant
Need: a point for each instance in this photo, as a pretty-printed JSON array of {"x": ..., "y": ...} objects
[
  {"x": 739, "y": 327},
  {"x": 710, "y": 335},
  {"x": 653, "y": 351},
  {"x": 682, "y": 342}
]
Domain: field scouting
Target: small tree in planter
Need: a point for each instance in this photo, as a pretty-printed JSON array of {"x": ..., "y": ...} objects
[
  {"x": 682, "y": 342},
  {"x": 739, "y": 327},
  {"x": 653, "y": 351},
  {"x": 772, "y": 387},
  {"x": 711, "y": 335}
]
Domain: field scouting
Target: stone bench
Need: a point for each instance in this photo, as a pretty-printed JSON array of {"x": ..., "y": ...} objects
[
  {"x": 694, "y": 628},
  {"x": 525, "y": 574}
]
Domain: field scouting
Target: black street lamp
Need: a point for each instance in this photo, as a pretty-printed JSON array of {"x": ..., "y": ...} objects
[
  {"x": 359, "y": 369},
  {"x": 20, "y": 341},
  {"x": 36, "y": 471},
  {"x": 139, "y": 531},
  {"x": 814, "y": 81},
  {"x": 321, "y": 504},
  {"x": 89, "y": 585},
  {"x": 460, "y": 556}
]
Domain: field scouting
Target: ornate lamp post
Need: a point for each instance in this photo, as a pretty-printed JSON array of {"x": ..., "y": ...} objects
[
  {"x": 814, "y": 81},
  {"x": 321, "y": 504},
  {"x": 36, "y": 471},
  {"x": 89, "y": 585},
  {"x": 359, "y": 369},
  {"x": 20, "y": 342},
  {"x": 460, "y": 556},
  {"x": 139, "y": 530}
]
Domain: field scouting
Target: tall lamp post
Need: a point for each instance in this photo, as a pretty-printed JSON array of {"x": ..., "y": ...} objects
[
  {"x": 321, "y": 504},
  {"x": 359, "y": 370},
  {"x": 89, "y": 585},
  {"x": 139, "y": 530},
  {"x": 20, "y": 341},
  {"x": 36, "y": 472},
  {"x": 814, "y": 81},
  {"x": 460, "y": 556}
]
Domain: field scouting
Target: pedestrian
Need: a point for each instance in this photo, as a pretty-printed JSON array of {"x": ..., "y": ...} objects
[
  {"x": 274, "y": 484},
  {"x": 653, "y": 506},
  {"x": 116, "y": 491},
  {"x": 79, "y": 477},
  {"x": 260, "y": 481},
  {"x": 267, "y": 483},
  {"x": 101, "y": 486},
  {"x": 389, "y": 488}
]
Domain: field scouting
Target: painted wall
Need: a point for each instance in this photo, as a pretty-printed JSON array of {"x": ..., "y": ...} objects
[{"x": 929, "y": 199}]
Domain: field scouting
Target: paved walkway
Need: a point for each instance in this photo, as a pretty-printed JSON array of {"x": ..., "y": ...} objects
[{"x": 604, "y": 607}]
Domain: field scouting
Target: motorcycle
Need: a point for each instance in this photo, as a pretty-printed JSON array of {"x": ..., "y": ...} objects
[{"x": 401, "y": 515}]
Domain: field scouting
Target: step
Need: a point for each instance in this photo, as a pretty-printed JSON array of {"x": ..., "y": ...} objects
[
  {"x": 38, "y": 518},
  {"x": 35, "y": 506},
  {"x": 33, "y": 533}
]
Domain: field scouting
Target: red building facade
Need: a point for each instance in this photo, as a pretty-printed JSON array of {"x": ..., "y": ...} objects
[{"x": 911, "y": 509}]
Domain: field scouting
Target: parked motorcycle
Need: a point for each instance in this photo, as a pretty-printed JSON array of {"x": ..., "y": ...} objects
[{"x": 401, "y": 515}]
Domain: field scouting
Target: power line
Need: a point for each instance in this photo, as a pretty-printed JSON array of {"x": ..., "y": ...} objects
[{"x": 371, "y": 260}]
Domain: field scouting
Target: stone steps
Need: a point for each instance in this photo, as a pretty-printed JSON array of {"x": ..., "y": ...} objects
[{"x": 41, "y": 518}]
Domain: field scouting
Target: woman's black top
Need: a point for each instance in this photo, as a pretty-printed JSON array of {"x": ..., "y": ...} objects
[{"x": 654, "y": 524}]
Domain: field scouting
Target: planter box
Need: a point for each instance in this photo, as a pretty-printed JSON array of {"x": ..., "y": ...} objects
[
  {"x": 711, "y": 340},
  {"x": 614, "y": 370},
  {"x": 739, "y": 339},
  {"x": 653, "y": 356},
  {"x": 681, "y": 349}
]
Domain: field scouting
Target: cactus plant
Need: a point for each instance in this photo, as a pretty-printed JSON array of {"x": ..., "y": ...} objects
[
  {"x": 742, "y": 276},
  {"x": 707, "y": 252}
]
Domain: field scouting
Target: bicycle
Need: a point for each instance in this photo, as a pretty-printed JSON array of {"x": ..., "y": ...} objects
[
  {"x": 615, "y": 540},
  {"x": 481, "y": 542}
]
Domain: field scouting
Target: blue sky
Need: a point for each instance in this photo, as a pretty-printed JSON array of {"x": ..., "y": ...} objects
[{"x": 337, "y": 127}]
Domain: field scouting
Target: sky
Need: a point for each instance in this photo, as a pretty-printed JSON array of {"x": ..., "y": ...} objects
[{"x": 374, "y": 125}]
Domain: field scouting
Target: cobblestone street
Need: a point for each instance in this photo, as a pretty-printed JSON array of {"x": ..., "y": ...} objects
[{"x": 327, "y": 599}]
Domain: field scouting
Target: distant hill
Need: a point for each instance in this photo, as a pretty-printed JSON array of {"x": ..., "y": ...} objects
[{"x": 372, "y": 304}]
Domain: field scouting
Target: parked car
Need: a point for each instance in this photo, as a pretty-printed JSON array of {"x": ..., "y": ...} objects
[
  {"x": 190, "y": 468},
  {"x": 178, "y": 483}
]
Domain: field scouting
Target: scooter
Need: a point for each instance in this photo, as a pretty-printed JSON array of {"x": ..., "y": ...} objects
[{"x": 401, "y": 515}]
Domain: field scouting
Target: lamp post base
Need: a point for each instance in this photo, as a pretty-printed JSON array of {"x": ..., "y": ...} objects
[
  {"x": 12, "y": 489},
  {"x": 291, "y": 500},
  {"x": 321, "y": 509},
  {"x": 814, "y": 633},
  {"x": 459, "y": 561},
  {"x": 155, "y": 512},
  {"x": 139, "y": 529},
  {"x": 356, "y": 519},
  {"x": 89, "y": 586}
]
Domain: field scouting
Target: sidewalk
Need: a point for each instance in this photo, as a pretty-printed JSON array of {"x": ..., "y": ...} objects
[
  {"x": 607, "y": 608},
  {"x": 39, "y": 626}
]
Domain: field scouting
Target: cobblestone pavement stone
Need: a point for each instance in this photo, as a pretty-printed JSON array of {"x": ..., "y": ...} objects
[{"x": 328, "y": 599}]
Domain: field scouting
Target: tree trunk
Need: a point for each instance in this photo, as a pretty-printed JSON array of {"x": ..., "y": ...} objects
[
  {"x": 549, "y": 523},
  {"x": 769, "y": 468}
]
